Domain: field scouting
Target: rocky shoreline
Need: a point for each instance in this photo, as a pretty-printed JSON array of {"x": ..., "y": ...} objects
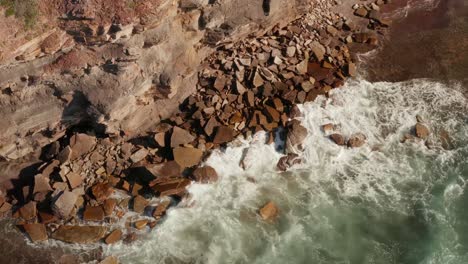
[{"x": 94, "y": 187}]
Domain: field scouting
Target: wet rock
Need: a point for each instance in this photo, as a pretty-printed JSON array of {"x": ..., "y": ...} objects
[
  {"x": 421, "y": 131},
  {"x": 351, "y": 69},
  {"x": 81, "y": 144},
  {"x": 445, "y": 140},
  {"x": 139, "y": 204},
  {"x": 140, "y": 224},
  {"x": 28, "y": 211},
  {"x": 180, "y": 137},
  {"x": 36, "y": 232},
  {"x": 224, "y": 134},
  {"x": 170, "y": 186},
  {"x": 205, "y": 174},
  {"x": 296, "y": 136},
  {"x": 165, "y": 169},
  {"x": 64, "y": 204},
  {"x": 161, "y": 209},
  {"x": 187, "y": 157},
  {"x": 357, "y": 140},
  {"x": 109, "y": 206},
  {"x": 114, "y": 237},
  {"x": 288, "y": 161},
  {"x": 102, "y": 191},
  {"x": 80, "y": 234},
  {"x": 93, "y": 213},
  {"x": 269, "y": 211},
  {"x": 139, "y": 155},
  {"x": 110, "y": 260},
  {"x": 328, "y": 127},
  {"x": 338, "y": 139}
]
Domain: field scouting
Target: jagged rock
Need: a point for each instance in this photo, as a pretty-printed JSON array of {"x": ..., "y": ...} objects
[
  {"x": 357, "y": 140},
  {"x": 421, "y": 131},
  {"x": 114, "y": 237},
  {"x": 139, "y": 155},
  {"x": 187, "y": 157},
  {"x": 93, "y": 213},
  {"x": 161, "y": 209},
  {"x": 80, "y": 234},
  {"x": 338, "y": 139},
  {"x": 288, "y": 161},
  {"x": 362, "y": 12},
  {"x": 139, "y": 204},
  {"x": 74, "y": 180},
  {"x": 180, "y": 137},
  {"x": 224, "y": 134},
  {"x": 28, "y": 211},
  {"x": 269, "y": 211},
  {"x": 64, "y": 204},
  {"x": 81, "y": 144},
  {"x": 36, "y": 232},
  {"x": 41, "y": 184},
  {"x": 205, "y": 174},
  {"x": 296, "y": 136},
  {"x": 102, "y": 191},
  {"x": 170, "y": 186}
]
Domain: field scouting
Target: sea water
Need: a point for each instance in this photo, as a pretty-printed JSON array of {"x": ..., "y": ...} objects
[{"x": 386, "y": 202}]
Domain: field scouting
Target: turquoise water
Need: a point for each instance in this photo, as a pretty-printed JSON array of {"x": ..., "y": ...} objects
[{"x": 387, "y": 202}]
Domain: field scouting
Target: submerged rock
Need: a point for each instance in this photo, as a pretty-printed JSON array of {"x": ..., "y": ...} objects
[
  {"x": 357, "y": 140},
  {"x": 269, "y": 211},
  {"x": 421, "y": 131},
  {"x": 296, "y": 136},
  {"x": 205, "y": 174},
  {"x": 338, "y": 139},
  {"x": 288, "y": 161}
]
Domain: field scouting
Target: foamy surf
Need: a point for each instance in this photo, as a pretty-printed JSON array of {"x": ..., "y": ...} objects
[{"x": 386, "y": 202}]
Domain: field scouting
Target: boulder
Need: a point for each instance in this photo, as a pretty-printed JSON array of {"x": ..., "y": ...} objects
[
  {"x": 338, "y": 139},
  {"x": 224, "y": 134},
  {"x": 139, "y": 204},
  {"x": 114, "y": 237},
  {"x": 180, "y": 137},
  {"x": 102, "y": 191},
  {"x": 41, "y": 184},
  {"x": 205, "y": 174},
  {"x": 421, "y": 131},
  {"x": 161, "y": 209},
  {"x": 165, "y": 169},
  {"x": 269, "y": 211},
  {"x": 328, "y": 127},
  {"x": 64, "y": 204},
  {"x": 357, "y": 140},
  {"x": 288, "y": 161},
  {"x": 36, "y": 232},
  {"x": 296, "y": 136},
  {"x": 81, "y": 144},
  {"x": 28, "y": 211},
  {"x": 187, "y": 157},
  {"x": 80, "y": 234},
  {"x": 139, "y": 155},
  {"x": 109, "y": 206},
  {"x": 170, "y": 186},
  {"x": 93, "y": 213},
  {"x": 74, "y": 180}
]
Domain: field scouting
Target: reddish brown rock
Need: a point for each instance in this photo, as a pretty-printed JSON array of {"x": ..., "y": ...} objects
[
  {"x": 93, "y": 213},
  {"x": 74, "y": 180},
  {"x": 338, "y": 139},
  {"x": 272, "y": 114},
  {"x": 110, "y": 260},
  {"x": 288, "y": 161},
  {"x": 269, "y": 211},
  {"x": 165, "y": 169},
  {"x": 421, "y": 131},
  {"x": 139, "y": 204},
  {"x": 140, "y": 224},
  {"x": 64, "y": 204},
  {"x": 160, "y": 139},
  {"x": 180, "y": 137},
  {"x": 357, "y": 140},
  {"x": 205, "y": 174},
  {"x": 161, "y": 209},
  {"x": 109, "y": 206},
  {"x": 224, "y": 134},
  {"x": 187, "y": 157},
  {"x": 41, "y": 184},
  {"x": 36, "y": 232},
  {"x": 80, "y": 234},
  {"x": 81, "y": 144},
  {"x": 28, "y": 211},
  {"x": 328, "y": 127},
  {"x": 114, "y": 237},
  {"x": 102, "y": 191},
  {"x": 47, "y": 218},
  {"x": 170, "y": 186}
]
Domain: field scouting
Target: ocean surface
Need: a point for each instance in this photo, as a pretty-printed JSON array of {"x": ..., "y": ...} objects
[{"x": 387, "y": 202}]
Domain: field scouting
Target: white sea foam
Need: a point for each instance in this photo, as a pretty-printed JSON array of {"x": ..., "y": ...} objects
[{"x": 336, "y": 205}]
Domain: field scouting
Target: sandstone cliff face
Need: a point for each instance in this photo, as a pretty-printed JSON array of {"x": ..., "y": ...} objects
[{"x": 121, "y": 71}]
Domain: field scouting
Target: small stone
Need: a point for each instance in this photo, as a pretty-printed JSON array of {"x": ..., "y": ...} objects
[
  {"x": 362, "y": 12},
  {"x": 269, "y": 211},
  {"x": 328, "y": 127},
  {"x": 291, "y": 51},
  {"x": 160, "y": 139},
  {"x": 351, "y": 69}
]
